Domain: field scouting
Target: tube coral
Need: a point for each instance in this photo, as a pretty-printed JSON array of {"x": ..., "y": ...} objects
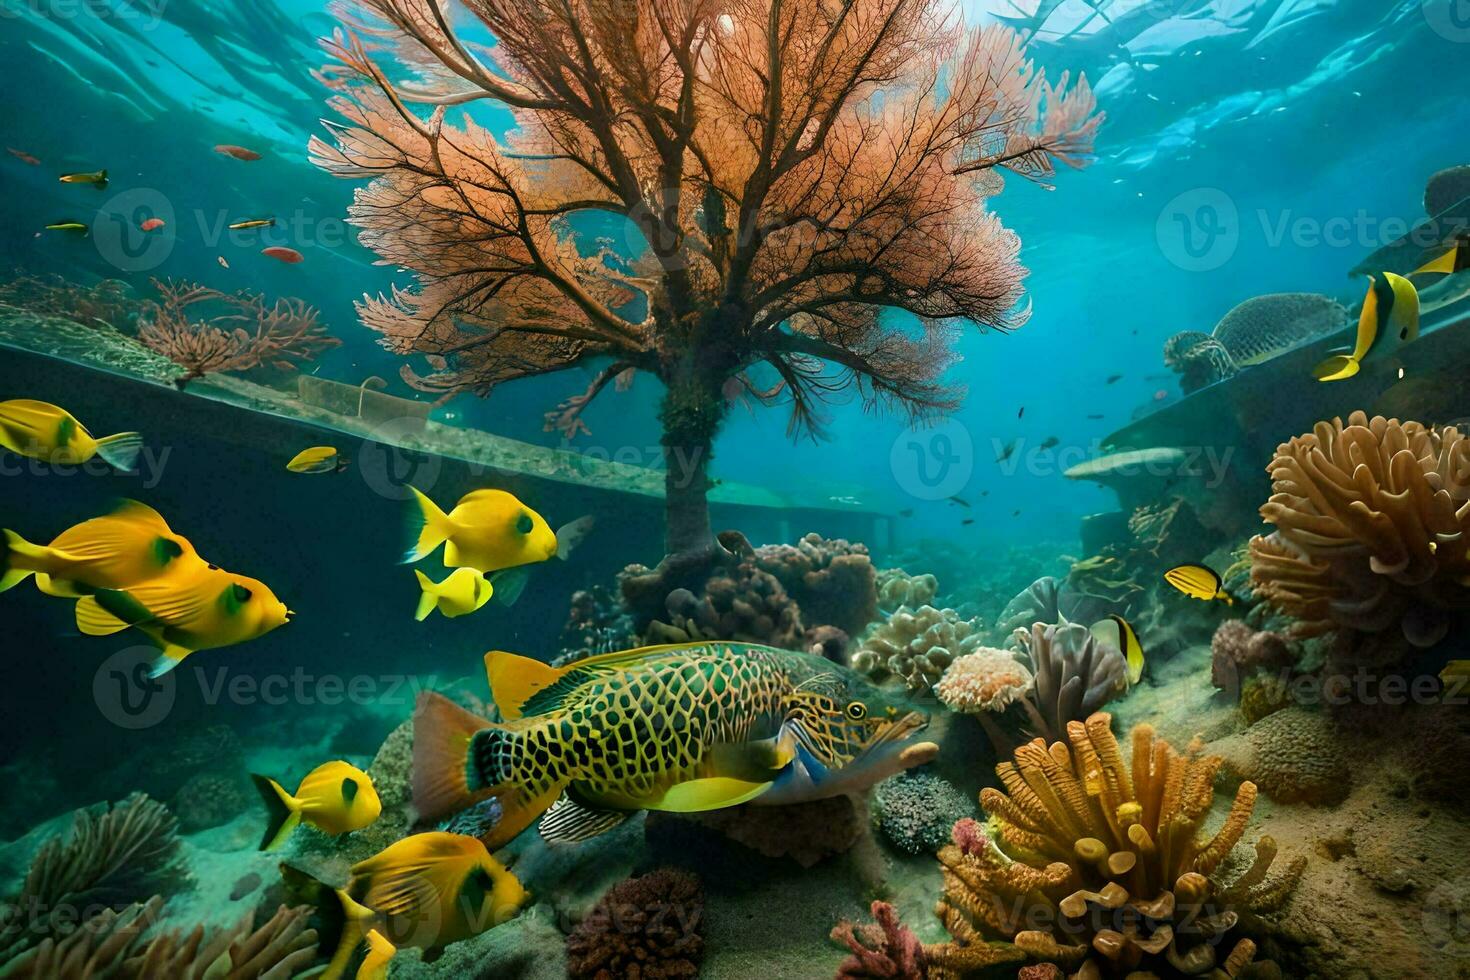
[
  {"x": 1371, "y": 521},
  {"x": 1100, "y": 865}
]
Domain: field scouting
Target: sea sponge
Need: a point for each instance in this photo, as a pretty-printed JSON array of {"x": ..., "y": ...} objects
[
  {"x": 898, "y": 588},
  {"x": 1101, "y": 866},
  {"x": 915, "y": 811},
  {"x": 884, "y": 949},
  {"x": 111, "y": 858},
  {"x": 1371, "y": 521},
  {"x": 917, "y": 645},
  {"x": 988, "y": 680},
  {"x": 646, "y": 928},
  {"x": 1293, "y": 755}
]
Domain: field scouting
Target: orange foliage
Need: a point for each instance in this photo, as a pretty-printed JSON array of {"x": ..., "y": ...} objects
[{"x": 788, "y": 170}]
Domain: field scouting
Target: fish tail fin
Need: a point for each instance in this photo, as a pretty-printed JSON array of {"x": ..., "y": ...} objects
[
  {"x": 15, "y": 555},
  {"x": 283, "y": 811},
  {"x": 341, "y": 923},
  {"x": 121, "y": 451},
  {"x": 1337, "y": 368},
  {"x": 429, "y": 597},
  {"x": 445, "y": 776},
  {"x": 428, "y": 527}
]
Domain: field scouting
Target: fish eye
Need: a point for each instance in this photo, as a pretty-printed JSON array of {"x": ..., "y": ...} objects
[
  {"x": 524, "y": 524},
  {"x": 856, "y": 710},
  {"x": 1404, "y": 334},
  {"x": 242, "y": 594}
]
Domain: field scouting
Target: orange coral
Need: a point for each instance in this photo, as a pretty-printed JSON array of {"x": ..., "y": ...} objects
[
  {"x": 1100, "y": 865},
  {"x": 241, "y": 333},
  {"x": 776, "y": 194},
  {"x": 1372, "y": 521}
]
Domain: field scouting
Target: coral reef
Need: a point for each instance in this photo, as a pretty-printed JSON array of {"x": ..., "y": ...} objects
[
  {"x": 595, "y": 624},
  {"x": 110, "y": 858},
  {"x": 916, "y": 809},
  {"x": 917, "y": 645},
  {"x": 241, "y": 332},
  {"x": 1101, "y": 866},
  {"x": 985, "y": 681},
  {"x": 1262, "y": 696},
  {"x": 1074, "y": 673},
  {"x": 1293, "y": 755},
  {"x": 809, "y": 596},
  {"x": 1050, "y": 600},
  {"x": 646, "y": 928},
  {"x": 1238, "y": 652},
  {"x": 1371, "y": 518},
  {"x": 109, "y": 303},
  {"x": 898, "y": 588},
  {"x": 803, "y": 833},
  {"x": 1199, "y": 359},
  {"x": 884, "y": 949},
  {"x": 209, "y": 799}
]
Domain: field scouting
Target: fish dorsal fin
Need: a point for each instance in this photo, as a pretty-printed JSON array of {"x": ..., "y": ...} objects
[
  {"x": 515, "y": 679},
  {"x": 568, "y": 821},
  {"x": 140, "y": 513},
  {"x": 551, "y": 697},
  {"x": 93, "y": 620}
]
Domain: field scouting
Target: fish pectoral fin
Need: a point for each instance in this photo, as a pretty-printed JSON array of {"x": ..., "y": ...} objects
[
  {"x": 710, "y": 793},
  {"x": 754, "y": 762},
  {"x": 509, "y": 584},
  {"x": 93, "y": 620},
  {"x": 569, "y": 821},
  {"x": 121, "y": 606}
]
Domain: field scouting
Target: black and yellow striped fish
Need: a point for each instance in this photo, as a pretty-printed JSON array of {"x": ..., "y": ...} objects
[
  {"x": 1199, "y": 582},
  {"x": 682, "y": 728}
]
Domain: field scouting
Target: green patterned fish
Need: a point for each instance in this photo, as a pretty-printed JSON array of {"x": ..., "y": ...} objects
[{"x": 682, "y": 728}]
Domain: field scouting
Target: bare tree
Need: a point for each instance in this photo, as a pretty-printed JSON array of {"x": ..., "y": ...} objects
[{"x": 806, "y": 181}]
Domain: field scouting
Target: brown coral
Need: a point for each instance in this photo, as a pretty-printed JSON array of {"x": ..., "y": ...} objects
[
  {"x": 917, "y": 645},
  {"x": 897, "y": 587},
  {"x": 1100, "y": 866},
  {"x": 884, "y": 949},
  {"x": 1293, "y": 755},
  {"x": 1371, "y": 520},
  {"x": 1237, "y": 652},
  {"x": 1075, "y": 676},
  {"x": 645, "y": 928},
  {"x": 241, "y": 332}
]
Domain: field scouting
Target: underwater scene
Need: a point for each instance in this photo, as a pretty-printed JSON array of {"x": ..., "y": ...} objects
[{"x": 772, "y": 489}]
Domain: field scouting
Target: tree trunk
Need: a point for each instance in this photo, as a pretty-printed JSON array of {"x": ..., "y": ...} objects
[{"x": 692, "y": 411}]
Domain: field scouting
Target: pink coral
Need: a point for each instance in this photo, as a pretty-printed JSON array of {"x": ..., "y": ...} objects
[
  {"x": 986, "y": 680},
  {"x": 884, "y": 949}
]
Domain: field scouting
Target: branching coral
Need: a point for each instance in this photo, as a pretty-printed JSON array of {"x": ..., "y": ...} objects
[
  {"x": 775, "y": 225},
  {"x": 241, "y": 332},
  {"x": 108, "y": 860},
  {"x": 647, "y": 927},
  {"x": 915, "y": 811},
  {"x": 109, "y": 303},
  {"x": 884, "y": 949},
  {"x": 1101, "y": 866},
  {"x": 1371, "y": 530},
  {"x": 917, "y": 645}
]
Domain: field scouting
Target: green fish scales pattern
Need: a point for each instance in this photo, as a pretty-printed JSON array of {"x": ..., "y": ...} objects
[{"x": 624, "y": 734}]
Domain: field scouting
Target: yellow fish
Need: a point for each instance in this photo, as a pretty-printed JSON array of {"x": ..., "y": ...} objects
[
  {"x": 1119, "y": 633},
  {"x": 380, "y": 953},
  {"x": 317, "y": 459},
  {"x": 490, "y": 531},
  {"x": 1390, "y": 318},
  {"x": 97, "y": 178},
  {"x": 127, "y": 547},
  {"x": 253, "y": 223},
  {"x": 425, "y": 891},
  {"x": 43, "y": 431},
  {"x": 185, "y": 612},
  {"x": 1199, "y": 582},
  {"x": 334, "y": 798},
  {"x": 463, "y": 592},
  {"x": 78, "y": 227},
  {"x": 1457, "y": 259}
]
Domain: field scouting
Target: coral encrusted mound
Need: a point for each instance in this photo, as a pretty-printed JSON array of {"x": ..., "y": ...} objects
[
  {"x": 1371, "y": 518},
  {"x": 1101, "y": 866},
  {"x": 644, "y": 928}
]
